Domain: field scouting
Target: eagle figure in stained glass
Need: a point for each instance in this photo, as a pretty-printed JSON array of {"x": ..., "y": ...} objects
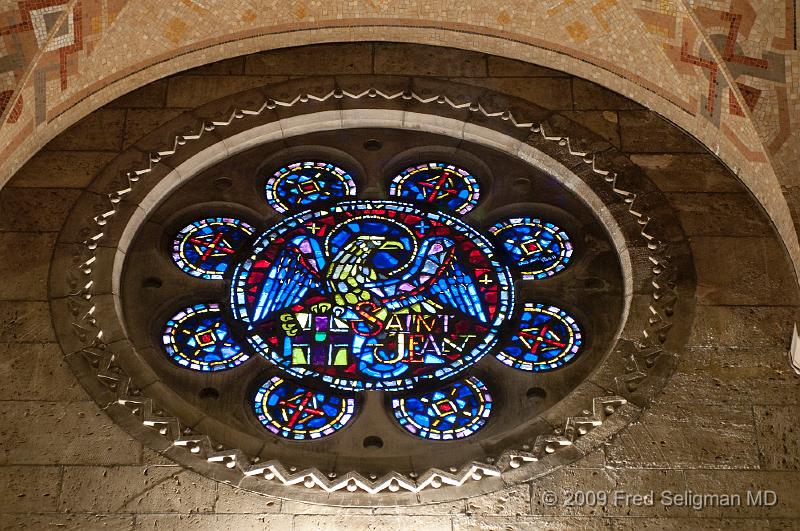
[{"x": 368, "y": 270}]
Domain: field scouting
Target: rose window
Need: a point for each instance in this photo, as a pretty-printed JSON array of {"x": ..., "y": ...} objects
[
  {"x": 356, "y": 312},
  {"x": 361, "y": 295},
  {"x": 367, "y": 295}
]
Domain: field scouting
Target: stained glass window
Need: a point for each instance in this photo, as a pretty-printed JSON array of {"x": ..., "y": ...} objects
[
  {"x": 452, "y": 412},
  {"x": 296, "y": 412},
  {"x": 304, "y": 183},
  {"x": 400, "y": 295},
  {"x": 204, "y": 248},
  {"x": 546, "y": 338},
  {"x": 372, "y": 295},
  {"x": 198, "y": 338},
  {"x": 443, "y": 185},
  {"x": 539, "y": 248}
]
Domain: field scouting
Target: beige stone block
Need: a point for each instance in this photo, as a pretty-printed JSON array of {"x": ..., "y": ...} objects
[
  {"x": 778, "y": 435},
  {"x": 596, "y": 459},
  {"x": 213, "y": 522},
  {"x": 528, "y": 523},
  {"x": 700, "y": 522},
  {"x": 32, "y": 371},
  {"x": 35, "y": 209},
  {"x": 601, "y": 492},
  {"x": 151, "y": 457},
  {"x": 603, "y": 123},
  {"x": 193, "y": 91},
  {"x": 746, "y": 271},
  {"x": 25, "y": 322},
  {"x": 101, "y": 130},
  {"x": 703, "y": 384},
  {"x": 513, "y": 502},
  {"x": 65, "y": 433},
  {"x": 779, "y": 523},
  {"x": 151, "y": 95},
  {"x": 450, "y": 508},
  {"x": 335, "y": 59},
  {"x": 719, "y": 214},
  {"x": 417, "y": 60},
  {"x": 67, "y": 522},
  {"x": 136, "y": 489},
  {"x": 792, "y": 196},
  {"x": 233, "y": 500},
  {"x": 548, "y": 92},
  {"x": 734, "y": 376},
  {"x": 25, "y": 264},
  {"x": 740, "y": 482},
  {"x": 298, "y": 507},
  {"x": 688, "y": 172},
  {"x": 372, "y": 523},
  {"x": 687, "y": 435},
  {"x": 140, "y": 122},
  {"x": 646, "y": 132},
  {"x": 63, "y": 169},
  {"x": 29, "y": 489},
  {"x": 591, "y": 96},
  {"x": 744, "y": 327}
]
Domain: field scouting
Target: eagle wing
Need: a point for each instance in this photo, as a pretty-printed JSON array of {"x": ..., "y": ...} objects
[
  {"x": 435, "y": 274},
  {"x": 454, "y": 287},
  {"x": 296, "y": 270}
]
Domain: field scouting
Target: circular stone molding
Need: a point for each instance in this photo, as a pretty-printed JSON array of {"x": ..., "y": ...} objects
[{"x": 89, "y": 313}]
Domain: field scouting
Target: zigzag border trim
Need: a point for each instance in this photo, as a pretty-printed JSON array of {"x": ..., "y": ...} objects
[{"x": 100, "y": 356}]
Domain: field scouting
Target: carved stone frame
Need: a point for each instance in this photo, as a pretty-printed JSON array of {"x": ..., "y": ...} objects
[{"x": 91, "y": 249}]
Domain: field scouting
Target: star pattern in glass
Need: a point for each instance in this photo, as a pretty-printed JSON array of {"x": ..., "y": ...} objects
[
  {"x": 205, "y": 247},
  {"x": 539, "y": 249},
  {"x": 452, "y": 412},
  {"x": 302, "y": 184},
  {"x": 442, "y": 185},
  {"x": 198, "y": 338},
  {"x": 296, "y": 412},
  {"x": 547, "y": 338}
]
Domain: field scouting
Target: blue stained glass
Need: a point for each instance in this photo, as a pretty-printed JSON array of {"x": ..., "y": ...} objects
[
  {"x": 198, "y": 338},
  {"x": 538, "y": 248},
  {"x": 443, "y": 185},
  {"x": 546, "y": 338},
  {"x": 296, "y": 412},
  {"x": 303, "y": 183},
  {"x": 371, "y": 295},
  {"x": 452, "y": 412},
  {"x": 204, "y": 248}
]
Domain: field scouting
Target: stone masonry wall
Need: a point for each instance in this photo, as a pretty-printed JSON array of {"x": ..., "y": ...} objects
[{"x": 725, "y": 423}]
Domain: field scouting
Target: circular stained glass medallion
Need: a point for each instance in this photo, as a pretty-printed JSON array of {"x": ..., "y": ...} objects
[
  {"x": 204, "y": 247},
  {"x": 452, "y": 412},
  {"x": 371, "y": 295},
  {"x": 296, "y": 412},
  {"x": 198, "y": 338},
  {"x": 443, "y": 185},
  {"x": 539, "y": 248},
  {"x": 304, "y": 183},
  {"x": 546, "y": 339}
]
